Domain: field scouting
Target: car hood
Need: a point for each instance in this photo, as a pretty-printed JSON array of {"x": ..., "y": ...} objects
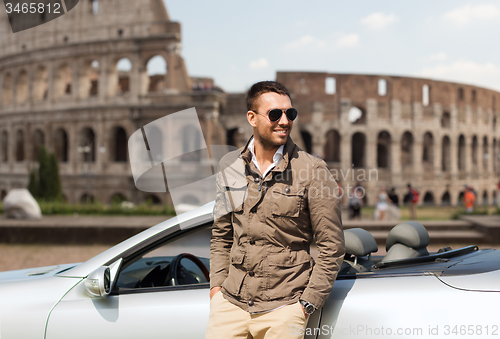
[{"x": 33, "y": 273}]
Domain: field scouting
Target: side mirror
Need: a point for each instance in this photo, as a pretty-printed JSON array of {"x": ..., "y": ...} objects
[{"x": 98, "y": 283}]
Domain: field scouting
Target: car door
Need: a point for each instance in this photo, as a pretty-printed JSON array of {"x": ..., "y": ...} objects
[{"x": 138, "y": 307}]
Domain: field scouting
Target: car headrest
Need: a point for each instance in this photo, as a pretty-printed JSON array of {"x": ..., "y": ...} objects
[
  {"x": 359, "y": 242},
  {"x": 410, "y": 233}
]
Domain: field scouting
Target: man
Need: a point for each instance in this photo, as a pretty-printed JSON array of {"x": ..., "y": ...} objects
[
  {"x": 412, "y": 198},
  {"x": 262, "y": 279},
  {"x": 469, "y": 199}
]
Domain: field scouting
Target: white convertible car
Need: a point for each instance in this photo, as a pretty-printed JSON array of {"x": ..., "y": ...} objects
[{"x": 155, "y": 285}]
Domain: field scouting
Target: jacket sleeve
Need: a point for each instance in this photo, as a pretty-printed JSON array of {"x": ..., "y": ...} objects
[
  {"x": 222, "y": 236},
  {"x": 326, "y": 223}
]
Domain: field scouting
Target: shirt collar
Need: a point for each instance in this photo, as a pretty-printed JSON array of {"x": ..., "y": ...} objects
[{"x": 276, "y": 157}]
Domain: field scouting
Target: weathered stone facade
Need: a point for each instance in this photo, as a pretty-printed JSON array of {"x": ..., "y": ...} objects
[{"x": 60, "y": 87}]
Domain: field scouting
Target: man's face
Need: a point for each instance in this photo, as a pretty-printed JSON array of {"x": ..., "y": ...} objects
[{"x": 269, "y": 133}]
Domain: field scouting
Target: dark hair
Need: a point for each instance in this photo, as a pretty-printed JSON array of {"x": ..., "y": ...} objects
[{"x": 262, "y": 87}]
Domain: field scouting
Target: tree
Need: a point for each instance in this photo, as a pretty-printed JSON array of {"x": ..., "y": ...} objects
[
  {"x": 47, "y": 184},
  {"x": 55, "y": 190},
  {"x": 43, "y": 174}
]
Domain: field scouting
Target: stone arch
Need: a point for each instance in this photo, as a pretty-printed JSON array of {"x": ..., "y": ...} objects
[
  {"x": 357, "y": 115},
  {"x": 155, "y": 142},
  {"x": 20, "y": 156},
  {"x": 38, "y": 142},
  {"x": 118, "y": 145},
  {"x": 120, "y": 77},
  {"x": 461, "y": 197},
  {"x": 4, "y": 146},
  {"x": 474, "y": 152},
  {"x": 446, "y": 199},
  {"x": 236, "y": 137},
  {"x": 86, "y": 145},
  {"x": 90, "y": 77},
  {"x": 461, "y": 153},
  {"x": 190, "y": 200},
  {"x": 307, "y": 139},
  {"x": 407, "y": 149},
  {"x": 41, "y": 84},
  {"x": 63, "y": 81},
  {"x": 61, "y": 145},
  {"x": 87, "y": 198},
  {"x": 384, "y": 150},
  {"x": 156, "y": 70},
  {"x": 446, "y": 120},
  {"x": 117, "y": 198},
  {"x": 485, "y": 198},
  {"x": 153, "y": 199},
  {"x": 22, "y": 87},
  {"x": 428, "y": 199},
  {"x": 428, "y": 150},
  {"x": 191, "y": 143},
  {"x": 332, "y": 146},
  {"x": 358, "y": 146},
  {"x": 485, "y": 153},
  {"x": 445, "y": 154}
]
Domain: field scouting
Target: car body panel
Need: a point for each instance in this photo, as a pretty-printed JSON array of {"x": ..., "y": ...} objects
[
  {"x": 171, "y": 313},
  {"x": 368, "y": 308},
  {"x": 26, "y": 304}
]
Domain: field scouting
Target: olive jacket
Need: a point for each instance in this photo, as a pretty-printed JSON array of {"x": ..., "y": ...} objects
[{"x": 263, "y": 229}]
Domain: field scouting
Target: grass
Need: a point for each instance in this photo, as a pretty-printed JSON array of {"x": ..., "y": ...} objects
[{"x": 63, "y": 208}]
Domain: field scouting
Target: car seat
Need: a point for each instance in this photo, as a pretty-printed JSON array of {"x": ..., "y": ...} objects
[
  {"x": 406, "y": 240},
  {"x": 359, "y": 245}
]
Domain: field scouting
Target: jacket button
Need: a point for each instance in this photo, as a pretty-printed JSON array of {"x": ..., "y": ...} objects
[
  {"x": 251, "y": 273},
  {"x": 252, "y": 242},
  {"x": 256, "y": 180},
  {"x": 287, "y": 190},
  {"x": 250, "y": 303}
]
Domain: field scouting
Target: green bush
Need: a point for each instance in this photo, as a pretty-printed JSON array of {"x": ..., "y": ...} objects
[{"x": 96, "y": 208}]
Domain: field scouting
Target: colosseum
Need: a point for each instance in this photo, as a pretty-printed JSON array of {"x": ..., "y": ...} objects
[{"x": 80, "y": 86}]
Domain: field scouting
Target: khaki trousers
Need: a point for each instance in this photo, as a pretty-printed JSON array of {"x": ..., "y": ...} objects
[{"x": 229, "y": 321}]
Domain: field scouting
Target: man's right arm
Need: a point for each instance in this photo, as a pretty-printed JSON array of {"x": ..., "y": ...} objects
[{"x": 222, "y": 239}]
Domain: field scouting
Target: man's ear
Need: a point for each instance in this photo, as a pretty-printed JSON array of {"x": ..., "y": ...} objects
[{"x": 251, "y": 116}]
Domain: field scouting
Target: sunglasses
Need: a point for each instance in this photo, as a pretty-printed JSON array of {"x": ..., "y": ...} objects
[{"x": 276, "y": 113}]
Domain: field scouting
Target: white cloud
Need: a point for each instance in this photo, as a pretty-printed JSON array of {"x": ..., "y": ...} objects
[
  {"x": 260, "y": 63},
  {"x": 469, "y": 72},
  {"x": 465, "y": 15},
  {"x": 437, "y": 57},
  {"x": 348, "y": 40},
  {"x": 306, "y": 41},
  {"x": 379, "y": 20}
]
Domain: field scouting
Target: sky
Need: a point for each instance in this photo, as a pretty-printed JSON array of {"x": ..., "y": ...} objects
[{"x": 238, "y": 43}]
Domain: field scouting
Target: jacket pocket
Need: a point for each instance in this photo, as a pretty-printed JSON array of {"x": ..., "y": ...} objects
[
  {"x": 286, "y": 201},
  {"x": 288, "y": 274},
  {"x": 236, "y": 273}
]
